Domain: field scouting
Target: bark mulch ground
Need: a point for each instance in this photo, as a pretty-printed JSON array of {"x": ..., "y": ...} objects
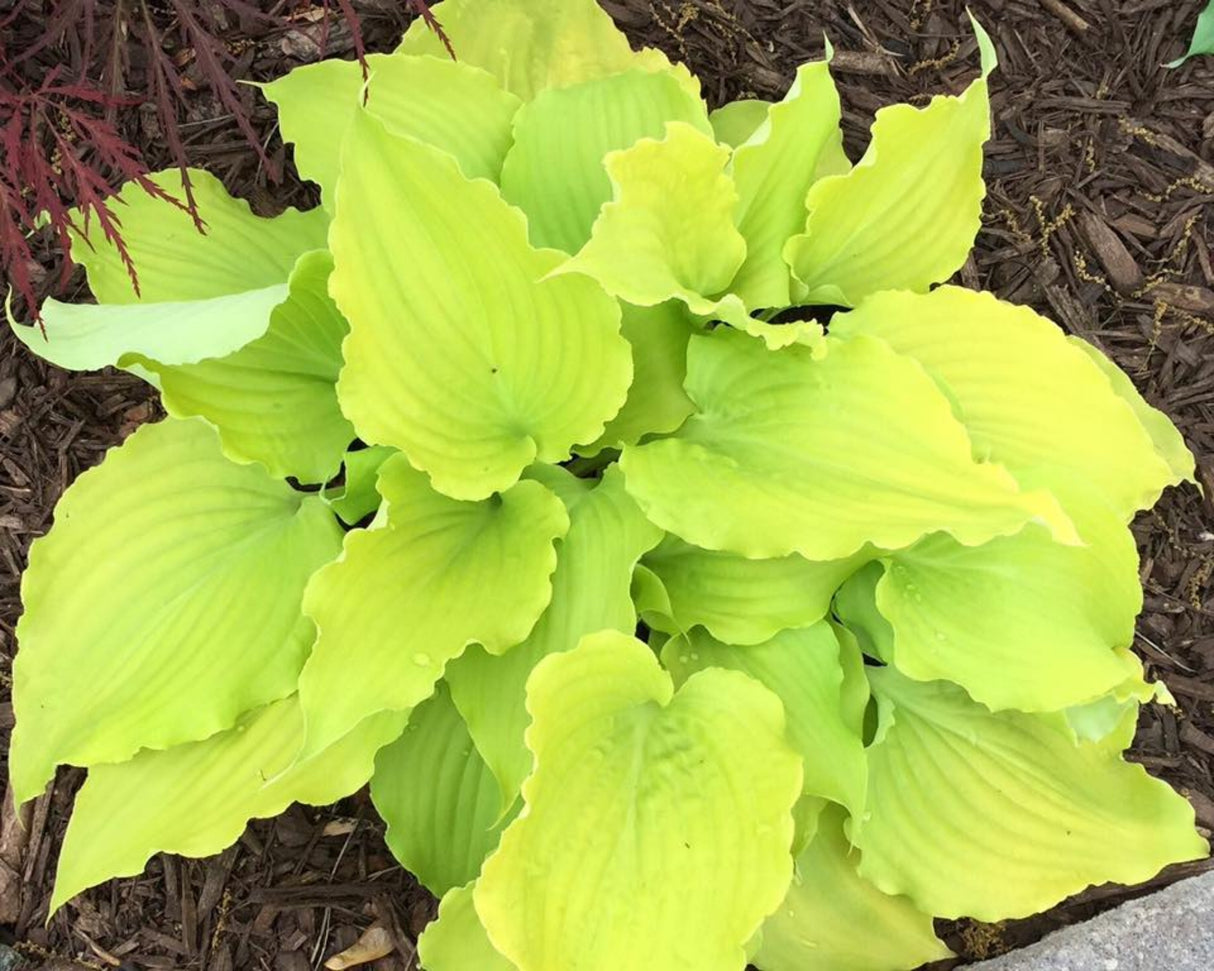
[{"x": 1100, "y": 176}]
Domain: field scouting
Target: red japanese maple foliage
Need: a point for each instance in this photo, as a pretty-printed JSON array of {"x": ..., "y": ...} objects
[{"x": 63, "y": 154}]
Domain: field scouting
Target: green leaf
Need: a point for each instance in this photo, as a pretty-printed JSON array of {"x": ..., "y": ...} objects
[
  {"x": 239, "y": 251},
  {"x": 1203, "y": 37},
  {"x": 590, "y": 592},
  {"x": 528, "y": 45},
  {"x": 735, "y": 122},
  {"x": 1030, "y": 816},
  {"x": 773, "y": 171},
  {"x": 456, "y": 941},
  {"x": 88, "y": 336},
  {"x": 1019, "y": 622},
  {"x": 856, "y": 607},
  {"x": 678, "y": 805},
  {"x": 437, "y": 796},
  {"x": 758, "y": 471},
  {"x": 1169, "y": 443},
  {"x": 357, "y": 497},
  {"x": 836, "y": 920},
  {"x": 744, "y": 601},
  {"x": 274, "y": 401},
  {"x": 163, "y": 603},
  {"x": 554, "y": 171},
  {"x": 668, "y": 231},
  {"x": 779, "y": 336},
  {"x": 803, "y": 668},
  {"x": 196, "y": 799},
  {"x": 1029, "y": 398},
  {"x": 656, "y": 401},
  {"x": 906, "y": 216},
  {"x": 433, "y": 575},
  {"x": 458, "y": 353},
  {"x": 453, "y": 106}
]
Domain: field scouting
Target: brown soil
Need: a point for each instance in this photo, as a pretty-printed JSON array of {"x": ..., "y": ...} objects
[{"x": 1098, "y": 215}]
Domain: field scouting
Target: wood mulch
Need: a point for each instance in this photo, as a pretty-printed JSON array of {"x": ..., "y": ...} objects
[{"x": 1100, "y": 174}]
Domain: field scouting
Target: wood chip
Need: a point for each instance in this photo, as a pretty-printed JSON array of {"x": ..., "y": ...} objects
[
  {"x": 14, "y": 838},
  {"x": 375, "y": 943},
  {"x": 863, "y": 62},
  {"x": 1123, "y": 272},
  {"x": 1194, "y": 299}
]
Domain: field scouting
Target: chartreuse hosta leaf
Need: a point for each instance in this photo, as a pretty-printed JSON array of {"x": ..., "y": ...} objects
[
  {"x": 803, "y": 667},
  {"x": 437, "y": 796},
  {"x": 1169, "y": 444},
  {"x": 661, "y": 793},
  {"x": 590, "y": 592},
  {"x": 759, "y": 469},
  {"x": 744, "y": 601},
  {"x": 735, "y": 122},
  {"x": 1022, "y": 621},
  {"x": 200, "y": 295},
  {"x": 554, "y": 171},
  {"x": 656, "y": 401},
  {"x": 238, "y": 252},
  {"x": 195, "y": 799},
  {"x": 407, "y": 596},
  {"x": 88, "y": 336},
  {"x": 906, "y": 216},
  {"x": 164, "y": 602},
  {"x": 531, "y": 45},
  {"x": 668, "y": 231},
  {"x": 1029, "y": 398},
  {"x": 856, "y": 607},
  {"x": 459, "y": 353},
  {"x": 452, "y": 106},
  {"x": 1056, "y": 815},
  {"x": 456, "y": 941},
  {"x": 773, "y": 170},
  {"x": 357, "y": 497},
  {"x": 274, "y": 400},
  {"x": 836, "y": 920}
]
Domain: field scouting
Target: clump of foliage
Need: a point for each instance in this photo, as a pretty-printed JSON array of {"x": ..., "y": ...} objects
[{"x": 828, "y": 635}]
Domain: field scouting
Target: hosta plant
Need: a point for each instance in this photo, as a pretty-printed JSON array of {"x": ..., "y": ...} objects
[{"x": 609, "y": 483}]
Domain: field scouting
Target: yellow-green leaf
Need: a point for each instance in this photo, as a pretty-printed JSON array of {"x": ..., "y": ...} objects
[
  {"x": 164, "y": 602},
  {"x": 1169, "y": 444},
  {"x": 274, "y": 400},
  {"x": 433, "y": 575},
  {"x": 238, "y": 251},
  {"x": 554, "y": 171},
  {"x": 590, "y": 592},
  {"x": 437, "y": 796},
  {"x": 789, "y": 453},
  {"x": 456, "y": 941},
  {"x": 1021, "y": 621},
  {"x": 458, "y": 353},
  {"x": 906, "y": 216},
  {"x": 656, "y": 401},
  {"x": 453, "y": 106},
  {"x": 835, "y": 920},
  {"x": 678, "y": 806},
  {"x": 1030, "y": 399},
  {"x": 1055, "y": 816},
  {"x": 803, "y": 668},
  {"x": 773, "y": 171},
  {"x": 668, "y": 231},
  {"x": 358, "y": 496},
  {"x": 528, "y": 45},
  {"x": 195, "y": 799},
  {"x": 740, "y": 600}
]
